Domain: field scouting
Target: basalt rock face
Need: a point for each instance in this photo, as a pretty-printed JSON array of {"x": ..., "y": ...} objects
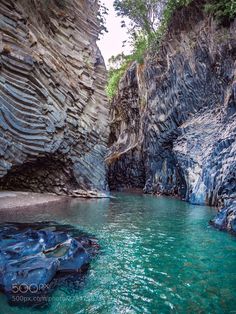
[
  {"x": 53, "y": 108},
  {"x": 180, "y": 110},
  {"x": 126, "y": 168}
]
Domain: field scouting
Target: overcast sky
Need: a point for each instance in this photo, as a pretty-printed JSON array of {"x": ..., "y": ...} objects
[{"x": 111, "y": 42}]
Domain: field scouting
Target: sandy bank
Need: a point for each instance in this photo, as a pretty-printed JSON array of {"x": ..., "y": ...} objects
[{"x": 10, "y": 200}]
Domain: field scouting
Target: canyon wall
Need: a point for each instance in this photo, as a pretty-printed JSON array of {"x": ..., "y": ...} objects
[
  {"x": 173, "y": 121},
  {"x": 53, "y": 109}
]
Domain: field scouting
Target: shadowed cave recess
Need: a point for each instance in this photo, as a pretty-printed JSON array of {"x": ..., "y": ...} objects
[{"x": 46, "y": 174}]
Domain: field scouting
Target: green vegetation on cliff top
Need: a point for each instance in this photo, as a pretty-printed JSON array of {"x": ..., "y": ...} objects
[{"x": 149, "y": 22}]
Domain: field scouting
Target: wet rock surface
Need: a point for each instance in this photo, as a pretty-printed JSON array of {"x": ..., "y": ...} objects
[
  {"x": 226, "y": 219},
  {"x": 35, "y": 259},
  {"x": 53, "y": 108},
  {"x": 181, "y": 101}
]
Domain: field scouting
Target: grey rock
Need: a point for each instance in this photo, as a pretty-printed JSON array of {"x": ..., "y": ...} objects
[
  {"x": 46, "y": 107},
  {"x": 36, "y": 258},
  {"x": 173, "y": 128}
]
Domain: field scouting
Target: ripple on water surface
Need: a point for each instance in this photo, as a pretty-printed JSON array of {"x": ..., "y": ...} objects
[{"x": 158, "y": 256}]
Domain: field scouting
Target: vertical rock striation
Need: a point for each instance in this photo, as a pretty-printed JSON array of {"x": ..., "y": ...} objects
[
  {"x": 53, "y": 108},
  {"x": 126, "y": 168},
  {"x": 175, "y": 116}
]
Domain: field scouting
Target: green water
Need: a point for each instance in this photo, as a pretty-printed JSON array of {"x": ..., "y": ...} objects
[{"x": 158, "y": 256}]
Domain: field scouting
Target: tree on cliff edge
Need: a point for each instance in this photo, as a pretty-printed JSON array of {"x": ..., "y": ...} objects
[{"x": 145, "y": 15}]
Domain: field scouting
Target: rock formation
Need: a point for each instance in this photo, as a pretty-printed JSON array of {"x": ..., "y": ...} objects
[
  {"x": 37, "y": 258},
  {"x": 173, "y": 121},
  {"x": 53, "y": 108},
  {"x": 173, "y": 128}
]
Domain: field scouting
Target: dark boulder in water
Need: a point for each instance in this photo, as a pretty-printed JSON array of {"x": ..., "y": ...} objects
[
  {"x": 37, "y": 258},
  {"x": 226, "y": 219}
]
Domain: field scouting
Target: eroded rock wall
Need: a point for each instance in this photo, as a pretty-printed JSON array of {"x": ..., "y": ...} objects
[
  {"x": 126, "y": 167},
  {"x": 185, "y": 95},
  {"x": 53, "y": 109}
]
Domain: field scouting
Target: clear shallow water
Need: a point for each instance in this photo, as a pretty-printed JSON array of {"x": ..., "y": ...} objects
[{"x": 158, "y": 256}]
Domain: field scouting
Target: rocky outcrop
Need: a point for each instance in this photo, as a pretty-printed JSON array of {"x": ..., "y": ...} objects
[
  {"x": 37, "y": 258},
  {"x": 53, "y": 109},
  {"x": 226, "y": 218},
  {"x": 173, "y": 125}
]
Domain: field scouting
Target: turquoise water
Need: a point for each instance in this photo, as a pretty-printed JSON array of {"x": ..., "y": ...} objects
[{"x": 158, "y": 256}]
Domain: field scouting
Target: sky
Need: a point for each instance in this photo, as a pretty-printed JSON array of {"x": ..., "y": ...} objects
[{"x": 111, "y": 42}]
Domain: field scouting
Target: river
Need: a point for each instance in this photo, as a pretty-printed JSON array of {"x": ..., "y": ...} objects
[{"x": 158, "y": 255}]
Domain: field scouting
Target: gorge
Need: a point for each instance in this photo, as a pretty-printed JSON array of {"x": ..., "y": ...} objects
[
  {"x": 129, "y": 184},
  {"x": 172, "y": 122}
]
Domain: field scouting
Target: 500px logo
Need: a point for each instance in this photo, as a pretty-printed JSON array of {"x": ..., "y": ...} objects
[
  {"x": 32, "y": 288},
  {"x": 24, "y": 299}
]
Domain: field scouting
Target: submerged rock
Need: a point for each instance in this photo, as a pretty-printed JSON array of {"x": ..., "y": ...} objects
[{"x": 36, "y": 258}]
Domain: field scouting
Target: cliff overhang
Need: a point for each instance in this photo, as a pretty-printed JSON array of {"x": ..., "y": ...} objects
[{"x": 53, "y": 108}]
